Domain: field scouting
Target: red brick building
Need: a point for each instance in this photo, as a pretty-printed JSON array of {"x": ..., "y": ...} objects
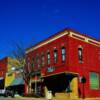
[
  {"x": 3, "y": 69},
  {"x": 67, "y": 63}
]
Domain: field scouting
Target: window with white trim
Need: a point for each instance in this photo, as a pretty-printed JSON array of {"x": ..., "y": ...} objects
[
  {"x": 63, "y": 53},
  {"x": 32, "y": 64},
  {"x": 38, "y": 61},
  {"x": 43, "y": 60},
  {"x": 80, "y": 55},
  {"x": 55, "y": 56},
  {"x": 48, "y": 58}
]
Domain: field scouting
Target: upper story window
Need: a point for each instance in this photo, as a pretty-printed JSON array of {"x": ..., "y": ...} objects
[
  {"x": 55, "y": 56},
  {"x": 80, "y": 55},
  {"x": 99, "y": 55},
  {"x": 38, "y": 61},
  {"x": 48, "y": 58},
  {"x": 63, "y": 53},
  {"x": 42, "y": 60},
  {"x": 94, "y": 80},
  {"x": 28, "y": 64},
  {"x": 32, "y": 64}
]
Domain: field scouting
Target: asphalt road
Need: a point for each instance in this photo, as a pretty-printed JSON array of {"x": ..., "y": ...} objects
[
  {"x": 7, "y": 98},
  {"x": 20, "y": 98}
]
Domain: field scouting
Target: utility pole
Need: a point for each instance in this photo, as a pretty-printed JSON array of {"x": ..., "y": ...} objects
[{"x": 83, "y": 80}]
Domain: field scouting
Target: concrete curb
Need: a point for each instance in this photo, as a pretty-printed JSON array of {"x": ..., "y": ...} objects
[{"x": 33, "y": 98}]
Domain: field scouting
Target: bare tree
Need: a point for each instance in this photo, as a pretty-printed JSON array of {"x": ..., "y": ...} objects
[
  {"x": 19, "y": 54},
  {"x": 19, "y": 63},
  {"x": 22, "y": 61}
]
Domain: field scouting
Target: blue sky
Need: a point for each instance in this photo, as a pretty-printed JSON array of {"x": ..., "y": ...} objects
[{"x": 30, "y": 21}]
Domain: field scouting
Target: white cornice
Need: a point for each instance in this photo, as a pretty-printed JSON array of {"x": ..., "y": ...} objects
[
  {"x": 71, "y": 34},
  {"x": 46, "y": 42}
]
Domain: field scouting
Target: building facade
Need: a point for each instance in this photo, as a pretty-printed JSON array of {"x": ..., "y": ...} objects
[
  {"x": 67, "y": 64},
  {"x": 3, "y": 70},
  {"x": 11, "y": 78},
  {"x": 14, "y": 77}
]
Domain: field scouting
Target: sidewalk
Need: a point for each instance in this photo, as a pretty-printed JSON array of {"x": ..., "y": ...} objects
[{"x": 33, "y": 98}]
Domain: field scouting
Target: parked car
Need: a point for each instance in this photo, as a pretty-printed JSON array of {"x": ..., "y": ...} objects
[{"x": 6, "y": 93}]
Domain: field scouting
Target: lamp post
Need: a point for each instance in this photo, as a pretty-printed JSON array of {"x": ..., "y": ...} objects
[{"x": 83, "y": 81}]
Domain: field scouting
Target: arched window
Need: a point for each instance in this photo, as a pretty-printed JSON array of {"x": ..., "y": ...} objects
[
  {"x": 42, "y": 59},
  {"x": 48, "y": 58},
  {"x": 38, "y": 61},
  {"x": 63, "y": 53},
  {"x": 55, "y": 56},
  {"x": 28, "y": 65},
  {"x": 32, "y": 64},
  {"x": 80, "y": 55}
]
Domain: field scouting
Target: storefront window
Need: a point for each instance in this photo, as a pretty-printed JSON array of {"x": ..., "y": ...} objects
[{"x": 94, "y": 80}]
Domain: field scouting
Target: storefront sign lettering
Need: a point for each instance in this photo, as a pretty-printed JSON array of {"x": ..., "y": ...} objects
[{"x": 50, "y": 69}]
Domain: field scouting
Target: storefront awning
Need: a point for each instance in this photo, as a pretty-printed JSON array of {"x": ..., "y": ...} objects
[
  {"x": 60, "y": 81},
  {"x": 17, "y": 81}
]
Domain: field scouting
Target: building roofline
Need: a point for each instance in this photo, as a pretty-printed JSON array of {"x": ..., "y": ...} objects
[
  {"x": 57, "y": 33},
  {"x": 3, "y": 58},
  {"x": 60, "y": 32}
]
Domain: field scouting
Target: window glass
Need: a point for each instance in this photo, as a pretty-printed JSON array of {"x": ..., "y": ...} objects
[
  {"x": 32, "y": 62},
  {"x": 55, "y": 56},
  {"x": 63, "y": 53},
  {"x": 38, "y": 61},
  {"x": 48, "y": 58},
  {"x": 94, "y": 80},
  {"x": 80, "y": 55},
  {"x": 42, "y": 59}
]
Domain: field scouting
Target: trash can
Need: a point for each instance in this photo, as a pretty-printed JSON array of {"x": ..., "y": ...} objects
[{"x": 49, "y": 95}]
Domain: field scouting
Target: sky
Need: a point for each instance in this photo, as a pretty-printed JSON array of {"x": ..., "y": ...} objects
[{"x": 31, "y": 21}]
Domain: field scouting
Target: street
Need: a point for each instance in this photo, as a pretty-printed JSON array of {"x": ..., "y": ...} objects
[
  {"x": 32, "y": 98},
  {"x": 20, "y": 98},
  {"x": 4, "y": 98}
]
